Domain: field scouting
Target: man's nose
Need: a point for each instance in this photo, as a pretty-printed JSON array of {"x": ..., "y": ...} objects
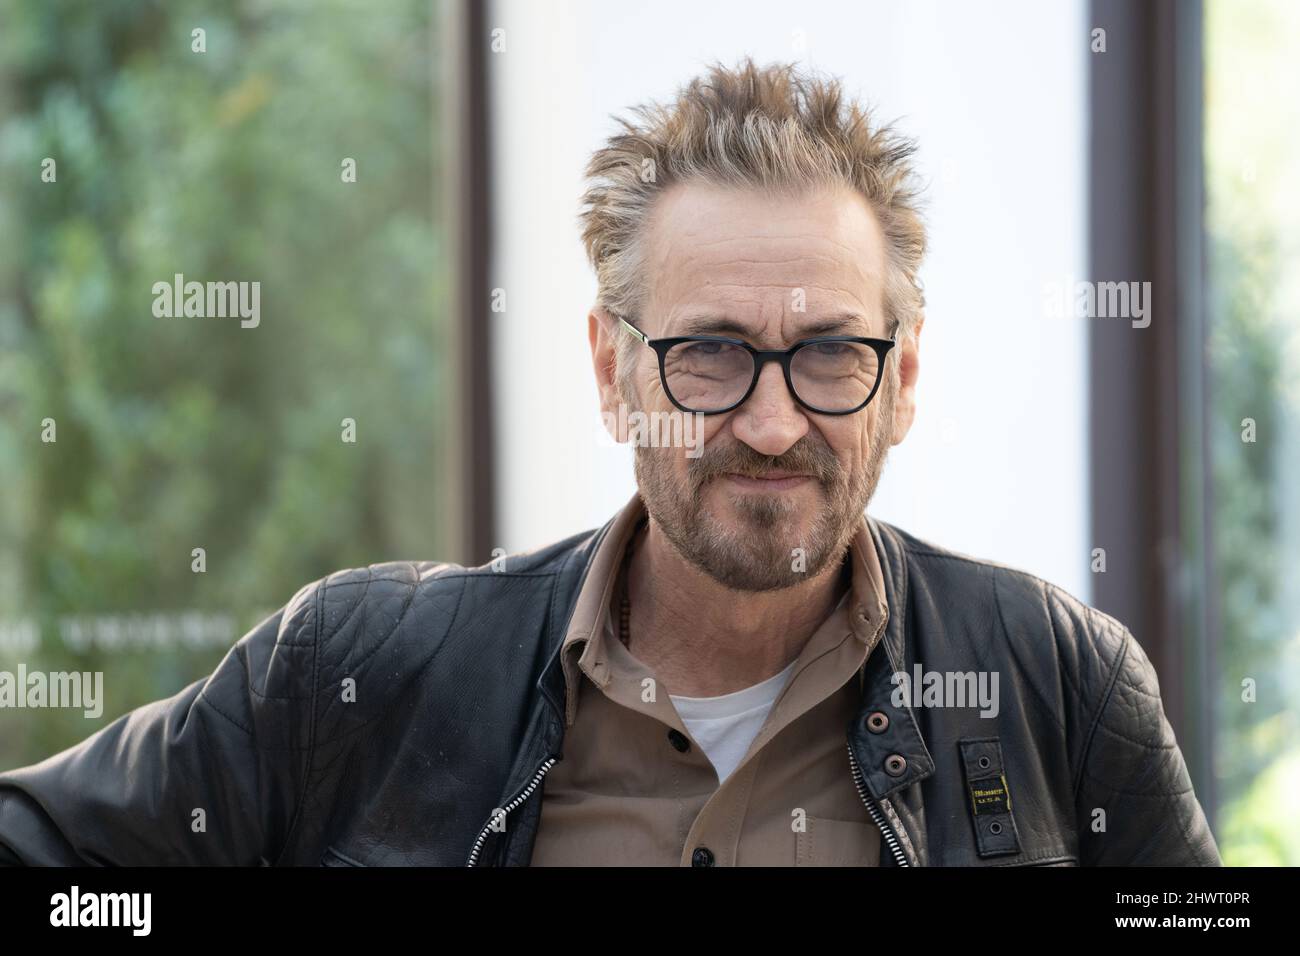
[{"x": 770, "y": 421}]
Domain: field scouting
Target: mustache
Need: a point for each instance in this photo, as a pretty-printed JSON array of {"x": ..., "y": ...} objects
[{"x": 807, "y": 456}]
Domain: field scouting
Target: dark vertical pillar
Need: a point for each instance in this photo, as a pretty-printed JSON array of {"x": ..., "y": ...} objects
[
  {"x": 473, "y": 214},
  {"x": 1147, "y": 384}
]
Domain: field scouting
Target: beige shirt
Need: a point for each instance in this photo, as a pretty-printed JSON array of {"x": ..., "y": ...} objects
[{"x": 633, "y": 788}]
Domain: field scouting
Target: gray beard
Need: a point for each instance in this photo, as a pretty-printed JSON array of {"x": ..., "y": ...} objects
[{"x": 760, "y": 555}]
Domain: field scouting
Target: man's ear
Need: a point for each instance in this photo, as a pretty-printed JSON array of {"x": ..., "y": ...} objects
[
  {"x": 909, "y": 367},
  {"x": 604, "y": 362}
]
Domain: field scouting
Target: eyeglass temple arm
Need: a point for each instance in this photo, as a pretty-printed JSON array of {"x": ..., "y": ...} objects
[{"x": 634, "y": 330}]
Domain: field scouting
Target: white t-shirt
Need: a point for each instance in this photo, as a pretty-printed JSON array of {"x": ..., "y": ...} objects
[{"x": 725, "y": 726}]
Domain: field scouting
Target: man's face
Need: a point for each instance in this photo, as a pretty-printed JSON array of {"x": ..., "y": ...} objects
[{"x": 778, "y": 490}]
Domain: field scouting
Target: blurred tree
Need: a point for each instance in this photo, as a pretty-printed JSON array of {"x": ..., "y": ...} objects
[
  {"x": 1253, "y": 355},
  {"x": 183, "y": 433}
]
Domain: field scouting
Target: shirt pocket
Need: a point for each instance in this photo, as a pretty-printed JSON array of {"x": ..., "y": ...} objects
[{"x": 826, "y": 842}]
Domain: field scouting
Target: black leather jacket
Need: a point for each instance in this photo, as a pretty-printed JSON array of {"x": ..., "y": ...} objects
[{"x": 387, "y": 715}]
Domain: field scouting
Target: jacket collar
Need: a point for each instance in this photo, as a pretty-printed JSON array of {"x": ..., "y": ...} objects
[{"x": 902, "y": 736}]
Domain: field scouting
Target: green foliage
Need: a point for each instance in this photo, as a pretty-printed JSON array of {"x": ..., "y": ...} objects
[
  {"x": 1253, "y": 359},
  {"x": 177, "y": 433}
]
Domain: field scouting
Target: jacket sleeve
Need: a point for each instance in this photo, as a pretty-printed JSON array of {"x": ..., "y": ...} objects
[
  {"x": 213, "y": 775},
  {"x": 1134, "y": 796}
]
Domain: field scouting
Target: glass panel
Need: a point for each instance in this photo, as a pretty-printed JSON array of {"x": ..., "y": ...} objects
[
  {"x": 1252, "y": 158},
  {"x": 174, "y": 466}
]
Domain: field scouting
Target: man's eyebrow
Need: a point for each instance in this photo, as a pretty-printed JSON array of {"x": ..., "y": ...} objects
[
  {"x": 839, "y": 324},
  {"x": 846, "y": 323},
  {"x": 713, "y": 325}
]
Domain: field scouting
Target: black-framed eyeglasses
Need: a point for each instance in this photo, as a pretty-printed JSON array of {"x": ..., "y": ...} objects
[{"x": 829, "y": 375}]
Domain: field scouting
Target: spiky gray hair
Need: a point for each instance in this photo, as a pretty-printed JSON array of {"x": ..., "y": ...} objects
[{"x": 771, "y": 128}]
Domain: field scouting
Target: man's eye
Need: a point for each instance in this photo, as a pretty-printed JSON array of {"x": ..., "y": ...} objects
[
  {"x": 830, "y": 348},
  {"x": 704, "y": 348}
]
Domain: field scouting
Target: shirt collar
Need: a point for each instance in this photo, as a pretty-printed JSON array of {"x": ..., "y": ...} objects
[{"x": 583, "y": 641}]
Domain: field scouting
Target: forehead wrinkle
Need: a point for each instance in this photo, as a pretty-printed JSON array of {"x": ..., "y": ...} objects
[
  {"x": 720, "y": 299},
  {"x": 841, "y": 254},
  {"x": 768, "y": 303},
  {"x": 841, "y": 279},
  {"x": 846, "y": 246},
  {"x": 816, "y": 235},
  {"x": 777, "y": 331},
  {"x": 840, "y": 257}
]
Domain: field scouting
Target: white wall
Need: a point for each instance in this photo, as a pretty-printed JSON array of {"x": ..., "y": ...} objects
[{"x": 995, "y": 92}]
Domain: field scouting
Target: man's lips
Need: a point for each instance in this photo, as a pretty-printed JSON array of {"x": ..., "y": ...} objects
[{"x": 769, "y": 481}]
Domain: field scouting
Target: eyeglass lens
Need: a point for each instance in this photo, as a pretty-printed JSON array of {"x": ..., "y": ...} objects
[{"x": 713, "y": 376}]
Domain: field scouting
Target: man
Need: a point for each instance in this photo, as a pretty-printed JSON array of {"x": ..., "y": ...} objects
[{"x": 737, "y": 668}]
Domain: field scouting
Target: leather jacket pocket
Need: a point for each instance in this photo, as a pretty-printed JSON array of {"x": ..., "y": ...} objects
[
  {"x": 332, "y": 857},
  {"x": 1049, "y": 861}
]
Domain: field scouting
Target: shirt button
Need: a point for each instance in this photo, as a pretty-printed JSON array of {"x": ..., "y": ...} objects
[
  {"x": 679, "y": 741},
  {"x": 702, "y": 856},
  {"x": 895, "y": 765},
  {"x": 877, "y": 722}
]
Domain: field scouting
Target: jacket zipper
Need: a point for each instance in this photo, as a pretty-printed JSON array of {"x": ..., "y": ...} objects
[
  {"x": 514, "y": 804},
  {"x": 877, "y": 817},
  {"x": 873, "y": 809}
]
